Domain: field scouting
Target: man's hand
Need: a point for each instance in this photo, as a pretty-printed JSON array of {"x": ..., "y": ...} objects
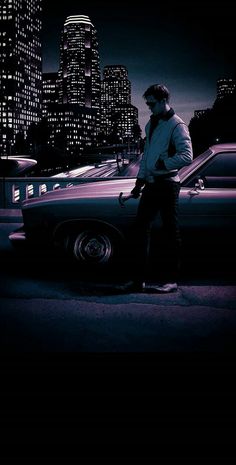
[
  {"x": 137, "y": 188},
  {"x": 160, "y": 165}
]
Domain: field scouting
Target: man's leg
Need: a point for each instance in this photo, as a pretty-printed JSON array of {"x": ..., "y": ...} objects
[
  {"x": 169, "y": 214},
  {"x": 148, "y": 205}
]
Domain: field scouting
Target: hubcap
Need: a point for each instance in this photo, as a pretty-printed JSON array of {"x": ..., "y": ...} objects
[{"x": 92, "y": 247}]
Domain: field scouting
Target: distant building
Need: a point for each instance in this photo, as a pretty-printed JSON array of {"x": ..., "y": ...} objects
[
  {"x": 225, "y": 86},
  {"x": 79, "y": 73},
  {"x": 50, "y": 91},
  {"x": 198, "y": 113},
  {"x": 21, "y": 69},
  {"x": 73, "y": 128},
  {"x": 117, "y": 113},
  {"x": 79, "y": 80}
]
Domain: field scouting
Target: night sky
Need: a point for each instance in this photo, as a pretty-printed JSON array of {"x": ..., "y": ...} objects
[{"x": 186, "y": 46}]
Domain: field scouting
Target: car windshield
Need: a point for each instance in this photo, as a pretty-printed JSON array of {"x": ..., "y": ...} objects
[{"x": 198, "y": 161}]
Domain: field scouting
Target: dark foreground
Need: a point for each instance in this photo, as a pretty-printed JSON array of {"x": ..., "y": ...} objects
[{"x": 48, "y": 305}]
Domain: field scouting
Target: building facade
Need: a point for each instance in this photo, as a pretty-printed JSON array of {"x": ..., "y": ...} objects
[
  {"x": 200, "y": 113},
  {"x": 21, "y": 70},
  {"x": 117, "y": 114},
  {"x": 50, "y": 91},
  {"x": 72, "y": 127},
  {"x": 225, "y": 87}
]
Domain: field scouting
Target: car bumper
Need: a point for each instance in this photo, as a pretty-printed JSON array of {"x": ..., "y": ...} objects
[{"x": 17, "y": 237}]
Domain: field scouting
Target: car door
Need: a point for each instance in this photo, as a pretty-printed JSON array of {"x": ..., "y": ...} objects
[{"x": 208, "y": 200}]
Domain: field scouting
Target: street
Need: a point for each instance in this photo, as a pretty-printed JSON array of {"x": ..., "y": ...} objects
[{"x": 48, "y": 305}]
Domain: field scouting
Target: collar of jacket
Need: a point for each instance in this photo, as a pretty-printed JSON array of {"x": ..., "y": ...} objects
[
  {"x": 156, "y": 118},
  {"x": 168, "y": 115}
]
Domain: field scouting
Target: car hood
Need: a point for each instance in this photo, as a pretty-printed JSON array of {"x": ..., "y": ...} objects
[{"x": 86, "y": 190}]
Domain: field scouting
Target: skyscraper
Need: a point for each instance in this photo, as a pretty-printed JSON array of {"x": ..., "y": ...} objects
[
  {"x": 79, "y": 87},
  {"x": 21, "y": 71},
  {"x": 116, "y": 85},
  {"x": 117, "y": 113},
  {"x": 79, "y": 73}
]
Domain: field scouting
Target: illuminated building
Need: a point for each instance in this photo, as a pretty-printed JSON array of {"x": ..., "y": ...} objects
[
  {"x": 200, "y": 113},
  {"x": 73, "y": 128},
  {"x": 79, "y": 87},
  {"x": 116, "y": 109},
  {"x": 21, "y": 69},
  {"x": 225, "y": 86},
  {"x": 79, "y": 73},
  {"x": 50, "y": 90}
]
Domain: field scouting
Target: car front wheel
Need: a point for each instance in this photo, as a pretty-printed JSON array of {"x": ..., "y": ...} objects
[{"x": 92, "y": 247}]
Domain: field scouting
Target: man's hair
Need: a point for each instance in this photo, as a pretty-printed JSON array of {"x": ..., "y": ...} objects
[{"x": 158, "y": 91}]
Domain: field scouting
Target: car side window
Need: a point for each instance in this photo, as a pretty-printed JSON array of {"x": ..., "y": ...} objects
[{"x": 219, "y": 172}]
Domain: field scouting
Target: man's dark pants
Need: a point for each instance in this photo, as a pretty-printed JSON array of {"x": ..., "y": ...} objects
[{"x": 160, "y": 197}]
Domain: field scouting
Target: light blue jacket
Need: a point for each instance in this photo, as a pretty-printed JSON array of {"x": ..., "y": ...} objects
[{"x": 168, "y": 131}]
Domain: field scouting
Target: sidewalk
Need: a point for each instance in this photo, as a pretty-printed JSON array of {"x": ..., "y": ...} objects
[{"x": 66, "y": 318}]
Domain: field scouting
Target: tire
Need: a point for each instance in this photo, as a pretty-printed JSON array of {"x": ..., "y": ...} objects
[{"x": 92, "y": 247}]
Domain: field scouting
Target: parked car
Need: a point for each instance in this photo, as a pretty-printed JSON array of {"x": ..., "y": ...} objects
[
  {"x": 90, "y": 224},
  {"x": 11, "y": 166}
]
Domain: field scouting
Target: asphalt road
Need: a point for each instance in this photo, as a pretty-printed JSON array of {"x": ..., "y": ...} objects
[{"x": 48, "y": 305}]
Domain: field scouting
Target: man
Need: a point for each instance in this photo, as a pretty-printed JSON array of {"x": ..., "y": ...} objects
[{"x": 167, "y": 148}]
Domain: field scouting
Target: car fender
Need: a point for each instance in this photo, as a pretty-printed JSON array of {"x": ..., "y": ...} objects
[{"x": 78, "y": 224}]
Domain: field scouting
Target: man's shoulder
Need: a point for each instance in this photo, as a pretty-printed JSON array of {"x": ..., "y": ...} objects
[
  {"x": 175, "y": 119},
  {"x": 177, "y": 125}
]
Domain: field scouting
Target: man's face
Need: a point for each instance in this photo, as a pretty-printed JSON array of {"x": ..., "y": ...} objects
[{"x": 154, "y": 105}]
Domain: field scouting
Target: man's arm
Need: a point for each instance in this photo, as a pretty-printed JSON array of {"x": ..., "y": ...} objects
[{"x": 140, "y": 180}]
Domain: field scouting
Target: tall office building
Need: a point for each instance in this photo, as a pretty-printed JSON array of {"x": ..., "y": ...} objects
[
  {"x": 116, "y": 86},
  {"x": 50, "y": 91},
  {"x": 79, "y": 84},
  {"x": 116, "y": 109},
  {"x": 21, "y": 70},
  {"x": 79, "y": 73},
  {"x": 225, "y": 86}
]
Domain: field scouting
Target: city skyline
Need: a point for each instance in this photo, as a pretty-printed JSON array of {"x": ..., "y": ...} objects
[{"x": 187, "y": 49}]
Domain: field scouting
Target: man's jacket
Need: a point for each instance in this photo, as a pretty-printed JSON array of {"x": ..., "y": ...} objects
[{"x": 170, "y": 142}]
